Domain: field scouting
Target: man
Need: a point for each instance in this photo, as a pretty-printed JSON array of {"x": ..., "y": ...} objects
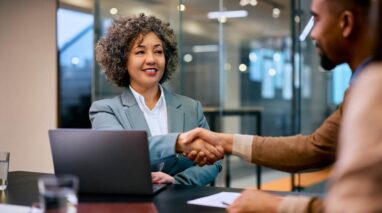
[
  {"x": 341, "y": 34},
  {"x": 356, "y": 180}
]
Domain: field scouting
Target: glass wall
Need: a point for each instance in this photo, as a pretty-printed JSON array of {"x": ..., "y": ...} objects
[
  {"x": 240, "y": 62},
  {"x": 75, "y": 45}
]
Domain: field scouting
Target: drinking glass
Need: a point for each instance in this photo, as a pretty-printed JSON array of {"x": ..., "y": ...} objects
[
  {"x": 4, "y": 167},
  {"x": 58, "y": 193}
]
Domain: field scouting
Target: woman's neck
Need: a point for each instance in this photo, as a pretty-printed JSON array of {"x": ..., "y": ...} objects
[{"x": 151, "y": 95}]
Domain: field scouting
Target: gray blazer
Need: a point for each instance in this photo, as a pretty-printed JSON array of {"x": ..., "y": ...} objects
[{"x": 123, "y": 112}]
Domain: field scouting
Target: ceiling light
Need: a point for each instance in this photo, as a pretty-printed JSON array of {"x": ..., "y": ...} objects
[
  {"x": 276, "y": 12},
  {"x": 246, "y": 2},
  {"x": 253, "y": 2},
  {"x": 222, "y": 19},
  {"x": 243, "y": 2},
  {"x": 181, "y": 7},
  {"x": 272, "y": 72},
  {"x": 205, "y": 48},
  {"x": 252, "y": 57},
  {"x": 242, "y": 67},
  {"x": 113, "y": 11},
  {"x": 75, "y": 60},
  {"x": 276, "y": 57},
  {"x": 187, "y": 58},
  {"x": 297, "y": 19},
  {"x": 307, "y": 29},
  {"x": 227, "y": 14}
]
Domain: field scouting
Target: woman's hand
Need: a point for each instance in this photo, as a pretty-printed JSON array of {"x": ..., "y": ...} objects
[{"x": 162, "y": 178}]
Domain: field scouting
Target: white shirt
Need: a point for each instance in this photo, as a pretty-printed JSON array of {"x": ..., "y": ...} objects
[{"x": 156, "y": 118}]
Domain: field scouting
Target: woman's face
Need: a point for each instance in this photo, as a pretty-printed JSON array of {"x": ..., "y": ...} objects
[{"x": 146, "y": 62}]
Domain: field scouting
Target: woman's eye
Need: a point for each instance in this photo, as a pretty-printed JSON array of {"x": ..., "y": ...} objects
[
  {"x": 159, "y": 52},
  {"x": 140, "y": 52}
]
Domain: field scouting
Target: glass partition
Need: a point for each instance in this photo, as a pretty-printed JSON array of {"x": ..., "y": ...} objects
[{"x": 75, "y": 46}]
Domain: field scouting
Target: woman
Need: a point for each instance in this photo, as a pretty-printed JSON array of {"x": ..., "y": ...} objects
[{"x": 140, "y": 53}]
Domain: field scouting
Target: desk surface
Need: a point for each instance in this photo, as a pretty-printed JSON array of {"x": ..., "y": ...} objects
[{"x": 22, "y": 190}]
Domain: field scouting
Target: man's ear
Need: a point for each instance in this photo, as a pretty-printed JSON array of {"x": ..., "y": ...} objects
[{"x": 347, "y": 23}]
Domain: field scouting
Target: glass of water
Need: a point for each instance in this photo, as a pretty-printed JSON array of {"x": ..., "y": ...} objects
[
  {"x": 58, "y": 193},
  {"x": 4, "y": 166}
]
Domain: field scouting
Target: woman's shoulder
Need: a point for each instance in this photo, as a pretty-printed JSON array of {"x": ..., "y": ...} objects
[
  {"x": 185, "y": 98},
  {"x": 107, "y": 102},
  {"x": 181, "y": 98}
]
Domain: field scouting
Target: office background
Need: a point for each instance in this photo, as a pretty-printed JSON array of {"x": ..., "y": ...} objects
[{"x": 49, "y": 76}]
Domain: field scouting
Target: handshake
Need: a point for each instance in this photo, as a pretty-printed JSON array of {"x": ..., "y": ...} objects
[{"x": 203, "y": 146}]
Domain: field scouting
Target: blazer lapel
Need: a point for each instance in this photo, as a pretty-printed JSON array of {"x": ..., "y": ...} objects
[
  {"x": 175, "y": 114},
  {"x": 133, "y": 112}
]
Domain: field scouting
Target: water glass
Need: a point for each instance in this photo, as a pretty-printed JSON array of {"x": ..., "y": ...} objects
[
  {"x": 4, "y": 167},
  {"x": 58, "y": 193}
]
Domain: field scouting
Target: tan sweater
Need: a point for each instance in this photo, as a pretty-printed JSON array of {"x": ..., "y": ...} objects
[
  {"x": 356, "y": 182},
  {"x": 293, "y": 154},
  {"x": 357, "y": 177}
]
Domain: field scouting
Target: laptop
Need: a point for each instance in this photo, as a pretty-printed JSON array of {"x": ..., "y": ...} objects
[{"x": 105, "y": 161}]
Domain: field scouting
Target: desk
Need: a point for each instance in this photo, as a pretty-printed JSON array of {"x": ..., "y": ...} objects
[
  {"x": 22, "y": 190},
  {"x": 213, "y": 112}
]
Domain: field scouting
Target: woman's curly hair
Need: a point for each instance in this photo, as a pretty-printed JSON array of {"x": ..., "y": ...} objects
[{"x": 113, "y": 49}]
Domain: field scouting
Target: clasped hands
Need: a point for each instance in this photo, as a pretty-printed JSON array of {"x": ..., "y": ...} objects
[{"x": 201, "y": 146}]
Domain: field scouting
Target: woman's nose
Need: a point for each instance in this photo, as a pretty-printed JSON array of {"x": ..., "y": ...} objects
[{"x": 150, "y": 58}]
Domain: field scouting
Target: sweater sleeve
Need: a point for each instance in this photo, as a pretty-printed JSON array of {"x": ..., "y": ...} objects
[
  {"x": 291, "y": 153},
  {"x": 299, "y": 152},
  {"x": 300, "y": 204}
]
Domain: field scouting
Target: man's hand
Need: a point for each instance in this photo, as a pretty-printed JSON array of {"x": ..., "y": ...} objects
[
  {"x": 206, "y": 153},
  {"x": 222, "y": 142},
  {"x": 214, "y": 138},
  {"x": 253, "y": 200},
  {"x": 162, "y": 178}
]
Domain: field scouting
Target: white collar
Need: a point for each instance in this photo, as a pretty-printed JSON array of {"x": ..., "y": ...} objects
[{"x": 141, "y": 100}]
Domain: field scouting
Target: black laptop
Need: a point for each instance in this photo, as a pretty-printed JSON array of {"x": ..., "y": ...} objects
[{"x": 105, "y": 161}]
